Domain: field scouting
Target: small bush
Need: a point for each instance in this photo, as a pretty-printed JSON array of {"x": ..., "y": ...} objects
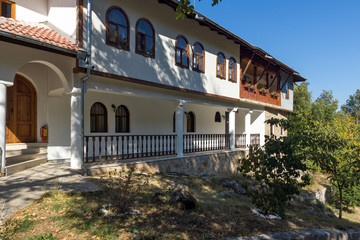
[
  {"x": 43, "y": 237},
  {"x": 122, "y": 187}
]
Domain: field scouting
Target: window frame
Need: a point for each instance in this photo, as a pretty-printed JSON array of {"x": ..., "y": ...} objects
[
  {"x": 181, "y": 50},
  {"x": 190, "y": 128},
  {"x": 108, "y": 42},
  {"x": 136, "y": 39},
  {"x": 223, "y": 76},
  {"x": 13, "y": 8},
  {"x": 127, "y": 119},
  {"x": 97, "y": 121},
  {"x": 234, "y": 80},
  {"x": 197, "y": 55}
]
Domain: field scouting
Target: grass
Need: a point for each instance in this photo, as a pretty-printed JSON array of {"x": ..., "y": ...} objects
[{"x": 60, "y": 215}]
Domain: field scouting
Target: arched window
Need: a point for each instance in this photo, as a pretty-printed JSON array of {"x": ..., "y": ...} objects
[
  {"x": 217, "y": 117},
  {"x": 145, "y": 38},
  {"x": 182, "y": 52},
  {"x": 117, "y": 28},
  {"x": 122, "y": 119},
  {"x": 98, "y": 118},
  {"x": 198, "y": 58},
  {"x": 232, "y": 70},
  {"x": 220, "y": 66},
  {"x": 190, "y": 122}
]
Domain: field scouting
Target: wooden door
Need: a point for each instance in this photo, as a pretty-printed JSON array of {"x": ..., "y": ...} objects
[{"x": 21, "y": 112}]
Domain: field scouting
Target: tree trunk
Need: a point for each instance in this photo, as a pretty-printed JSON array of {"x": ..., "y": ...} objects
[{"x": 341, "y": 200}]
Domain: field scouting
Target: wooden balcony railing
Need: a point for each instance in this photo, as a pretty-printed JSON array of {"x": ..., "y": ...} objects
[
  {"x": 240, "y": 140},
  {"x": 251, "y": 92},
  {"x": 206, "y": 142},
  {"x": 100, "y": 148}
]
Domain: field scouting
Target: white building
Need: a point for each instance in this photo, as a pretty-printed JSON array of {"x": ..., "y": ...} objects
[{"x": 158, "y": 87}]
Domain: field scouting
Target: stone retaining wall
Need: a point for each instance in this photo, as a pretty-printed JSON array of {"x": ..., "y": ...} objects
[
  {"x": 200, "y": 164},
  {"x": 314, "y": 234}
]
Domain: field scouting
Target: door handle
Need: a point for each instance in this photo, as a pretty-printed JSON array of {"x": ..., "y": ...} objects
[{"x": 12, "y": 111}]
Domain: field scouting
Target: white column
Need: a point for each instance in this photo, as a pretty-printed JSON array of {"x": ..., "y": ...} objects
[
  {"x": 247, "y": 127},
  {"x": 2, "y": 125},
  {"x": 180, "y": 129},
  {"x": 232, "y": 128},
  {"x": 76, "y": 138}
]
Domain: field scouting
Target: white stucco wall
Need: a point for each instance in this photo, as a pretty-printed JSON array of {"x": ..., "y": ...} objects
[
  {"x": 287, "y": 103},
  {"x": 59, "y": 112},
  {"x": 162, "y": 69},
  {"x": 62, "y": 17},
  {"x": 32, "y": 11}
]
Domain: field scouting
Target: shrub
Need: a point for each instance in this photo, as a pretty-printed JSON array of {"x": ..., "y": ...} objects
[{"x": 122, "y": 187}]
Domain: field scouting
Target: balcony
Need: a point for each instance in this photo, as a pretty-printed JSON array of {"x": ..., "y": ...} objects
[{"x": 253, "y": 92}]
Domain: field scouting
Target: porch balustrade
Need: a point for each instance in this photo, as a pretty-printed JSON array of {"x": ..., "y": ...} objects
[
  {"x": 205, "y": 142},
  {"x": 255, "y": 139},
  {"x": 103, "y": 148},
  {"x": 240, "y": 140},
  {"x": 107, "y": 148}
]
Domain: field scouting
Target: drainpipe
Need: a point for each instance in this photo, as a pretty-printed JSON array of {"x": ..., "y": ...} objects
[{"x": 83, "y": 80}]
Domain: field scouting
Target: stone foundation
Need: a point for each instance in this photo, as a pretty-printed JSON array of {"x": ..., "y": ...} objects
[{"x": 195, "y": 165}]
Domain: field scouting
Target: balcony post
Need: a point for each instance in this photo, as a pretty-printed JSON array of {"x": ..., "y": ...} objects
[
  {"x": 247, "y": 127},
  {"x": 2, "y": 126},
  {"x": 232, "y": 125},
  {"x": 180, "y": 128},
  {"x": 76, "y": 138}
]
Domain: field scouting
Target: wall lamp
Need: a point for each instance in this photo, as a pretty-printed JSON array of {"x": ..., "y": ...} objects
[{"x": 113, "y": 107}]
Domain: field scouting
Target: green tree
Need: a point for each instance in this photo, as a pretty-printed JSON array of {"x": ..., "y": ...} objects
[
  {"x": 276, "y": 168},
  {"x": 324, "y": 107},
  {"x": 352, "y": 105},
  {"x": 184, "y": 7},
  {"x": 335, "y": 147}
]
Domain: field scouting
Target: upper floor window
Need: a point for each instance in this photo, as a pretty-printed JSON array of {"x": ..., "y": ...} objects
[
  {"x": 145, "y": 38},
  {"x": 7, "y": 9},
  {"x": 117, "y": 28},
  {"x": 182, "y": 52},
  {"x": 232, "y": 70},
  {"x": 198, "y": 58},
  {"x": 190, "y": 126},
  {"x": 122, "y": 119},
  {"x": 217, "y": 117},
  {"x": 98, "y": 118},
  {"x": 220, "y": 66}
]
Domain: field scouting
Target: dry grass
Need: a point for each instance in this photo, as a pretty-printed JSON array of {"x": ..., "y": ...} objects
[{"x": 76, "y": 215}]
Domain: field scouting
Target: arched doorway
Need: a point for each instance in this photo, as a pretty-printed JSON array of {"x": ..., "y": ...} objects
[{"x": 21, "y": 111}]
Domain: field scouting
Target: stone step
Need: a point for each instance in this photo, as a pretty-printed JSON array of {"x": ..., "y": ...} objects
[
  {"x": 12, "y": 153},
  {"x": 24, "y": 158},
  {"x": 21, "y": 146},
  {"x": 11, "y": 169}
]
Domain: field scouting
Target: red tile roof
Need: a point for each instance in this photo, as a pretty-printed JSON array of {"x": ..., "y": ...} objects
[{"x": 37, "y": 31}]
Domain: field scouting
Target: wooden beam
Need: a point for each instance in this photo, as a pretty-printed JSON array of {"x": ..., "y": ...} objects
[
  {"x": 261, "y": 76},
  {"x": 273, "y": 81},
  {"x": 255, "y": 74},
  {"x": 247, "y": 66},
  {"x": 285, "y": 82}
]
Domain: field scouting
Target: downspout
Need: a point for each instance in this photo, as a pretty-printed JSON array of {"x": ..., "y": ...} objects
[{"x": 84, "y": 79}]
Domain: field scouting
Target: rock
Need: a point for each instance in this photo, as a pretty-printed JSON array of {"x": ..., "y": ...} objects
[
  {"x": 228, "y": 183},
  {"x": 269, "y": 216},
  {"x": 159, "y": 198},
  {"x": 323, "y": 195},
  {"x": 183, "y": 198},
  {"x": 239, "y": 190},
  {"x": 224, "y": 195}
]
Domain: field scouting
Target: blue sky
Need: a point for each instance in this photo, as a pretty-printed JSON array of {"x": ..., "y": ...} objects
[{"x": 318, "y": 38}]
